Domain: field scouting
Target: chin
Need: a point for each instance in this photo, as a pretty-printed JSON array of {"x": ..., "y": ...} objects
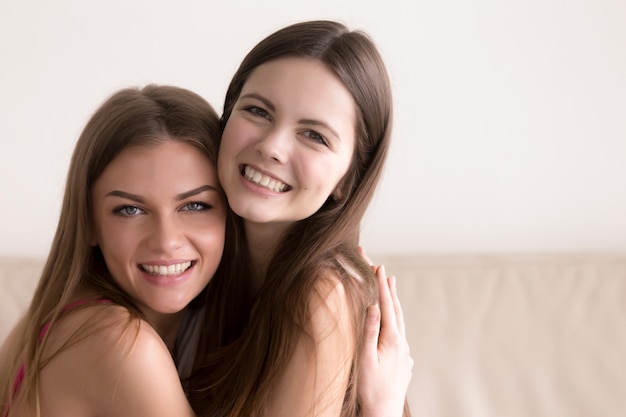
[
  {"x": 250, "y": 212},
  {"x": 173, "y": 308},
  {"x": 254, "y": 217}
]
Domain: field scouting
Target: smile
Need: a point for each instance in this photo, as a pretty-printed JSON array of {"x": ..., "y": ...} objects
[
  {"x": 163, "y": 270},
  {"x": 264, "y": 181}
]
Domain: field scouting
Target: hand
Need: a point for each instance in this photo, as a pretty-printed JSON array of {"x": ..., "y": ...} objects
[{"x": 385, "y": 360}]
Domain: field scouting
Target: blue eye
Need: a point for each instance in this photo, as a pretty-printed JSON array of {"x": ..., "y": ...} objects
[
  {"x": 195, "y": 206},
  {"x": 127, "y": 211}
]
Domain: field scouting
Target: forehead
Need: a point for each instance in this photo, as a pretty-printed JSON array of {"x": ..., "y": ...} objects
[{"x": 166, "y": 164}]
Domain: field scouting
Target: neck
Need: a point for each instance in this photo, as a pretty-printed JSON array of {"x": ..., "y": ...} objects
[
  {"x": 263, "y": 238},
  {"x": 166, "y": 325}
]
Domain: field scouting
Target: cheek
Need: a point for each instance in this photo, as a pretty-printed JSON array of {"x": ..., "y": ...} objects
[
  {"x": 235, "y": 135},
  {"x": 106, "y": 236},
  {"x": 230, "y": 145},
  {"x": 343, "y": 166},
  {"x": 326, "y": 175},
  {"x": 211, "y": 240},
  {"x": 211, "y": 255},
  {"x": 119, "y": 240},
  {"x": 214, "y": 241},
  {"x": 117, "y": 244}
]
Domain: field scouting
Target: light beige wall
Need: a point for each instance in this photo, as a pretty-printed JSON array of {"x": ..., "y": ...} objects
[{"x": 509, "y": 130}]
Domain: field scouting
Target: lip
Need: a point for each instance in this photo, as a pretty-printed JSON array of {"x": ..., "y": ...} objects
[{"x": 166, "y": 280}]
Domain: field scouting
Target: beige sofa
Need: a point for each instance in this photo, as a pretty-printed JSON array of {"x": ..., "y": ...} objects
[{"x": 529, "y": 335}]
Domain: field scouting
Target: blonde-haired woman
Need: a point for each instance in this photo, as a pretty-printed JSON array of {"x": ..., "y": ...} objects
[{"x": 141, "y": 233}]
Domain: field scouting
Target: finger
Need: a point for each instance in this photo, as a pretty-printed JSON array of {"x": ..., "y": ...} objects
[
  {"x": 364, "y": 255},
  {"x": 387, "y": 308},
  {"x": 369, "y": 352},
  {"x": 397, "y": 306}
]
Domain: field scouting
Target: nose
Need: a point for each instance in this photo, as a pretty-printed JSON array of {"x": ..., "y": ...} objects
[
  {"x": 165, "y": 236},
  {"x": 274, "y": 145}
]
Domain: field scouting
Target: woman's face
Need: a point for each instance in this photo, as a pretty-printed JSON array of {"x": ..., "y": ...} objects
[
  {"x": 159, "y": 219},
  {"x": 288, "y": 142}
]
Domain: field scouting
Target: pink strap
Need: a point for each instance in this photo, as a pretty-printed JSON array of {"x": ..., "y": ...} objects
[
  {"x": 71, "y": 306},
  {"x": 44, "y": 329}
]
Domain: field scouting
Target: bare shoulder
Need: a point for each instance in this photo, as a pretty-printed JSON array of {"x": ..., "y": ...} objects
[
  {"x": 329, "y": 288},
  {"x": 89, "y": 332},
  {"x": 330, "y": 305},
  {"x": 107, "y": 361},
  {"x": 315, "y": 379}
]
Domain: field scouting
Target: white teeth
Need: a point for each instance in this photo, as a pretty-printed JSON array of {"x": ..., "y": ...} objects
[
  {"x": 174, "y": 269},
  {"x": 264, "y": 181}
]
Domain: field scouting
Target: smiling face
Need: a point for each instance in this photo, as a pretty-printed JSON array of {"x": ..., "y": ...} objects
[
  {"x": 288, "y": 142},
  {"x": 159, "y": 220}
]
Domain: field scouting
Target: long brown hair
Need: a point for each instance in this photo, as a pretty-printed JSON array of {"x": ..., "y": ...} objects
[
  {"x": 131, "y": 117},
  {"x": 237, "y": 379}
]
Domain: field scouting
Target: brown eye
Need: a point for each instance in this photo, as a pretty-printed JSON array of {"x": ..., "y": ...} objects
[
  {"x": 257, "y": 111},
  {"x": 316, "y": 137}
]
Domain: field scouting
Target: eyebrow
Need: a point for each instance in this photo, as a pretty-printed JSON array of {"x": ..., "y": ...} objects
[
  {"x": 311, "y": 122},
  {"x": 181, "y": 196},
  {"x": 259, "y": 97}
]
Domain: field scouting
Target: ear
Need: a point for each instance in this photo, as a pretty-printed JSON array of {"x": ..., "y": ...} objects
[
  {"x": 342, "y": 189},
  {"x": 337, "y": 195}
]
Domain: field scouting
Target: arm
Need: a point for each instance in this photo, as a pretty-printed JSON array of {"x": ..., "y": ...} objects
[
  {"x": 385, "y": 360},
  {"x": 118, "y": 369},
  {"x": 316, "y": 377}
]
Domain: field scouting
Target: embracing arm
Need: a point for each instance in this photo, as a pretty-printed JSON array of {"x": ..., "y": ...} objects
[
  {"x": 120, "y": 369},
  {"x": 316, "y": 377},
  {"x": 147, "y": 383}
]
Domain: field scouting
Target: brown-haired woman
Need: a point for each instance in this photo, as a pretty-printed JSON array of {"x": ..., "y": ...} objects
[{"x": 306, "y": 129}]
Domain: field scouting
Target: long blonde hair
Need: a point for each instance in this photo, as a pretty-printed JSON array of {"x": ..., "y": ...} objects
[
  {"x": 129, "y": 118},
  {"x": 243, "y": 362}
]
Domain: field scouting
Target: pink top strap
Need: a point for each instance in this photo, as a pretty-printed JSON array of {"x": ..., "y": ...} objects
[{"x": 44, "y": 329}]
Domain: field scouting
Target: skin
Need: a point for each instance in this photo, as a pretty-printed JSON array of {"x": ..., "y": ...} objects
[
  {"x": 280, "y": 159},
  {"x": 158, "y": 206}
]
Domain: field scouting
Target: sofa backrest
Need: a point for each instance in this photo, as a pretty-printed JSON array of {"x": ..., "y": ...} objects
[{"x": 492, "y": 335}]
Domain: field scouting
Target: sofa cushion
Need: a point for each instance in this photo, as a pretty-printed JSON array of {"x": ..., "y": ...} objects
[
  {"x": 515, "y": 335},
  {"x": 18, "y": 279}
]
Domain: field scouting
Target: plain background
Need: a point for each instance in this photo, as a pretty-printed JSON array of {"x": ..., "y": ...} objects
[{"x": 510, "y": 117}]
